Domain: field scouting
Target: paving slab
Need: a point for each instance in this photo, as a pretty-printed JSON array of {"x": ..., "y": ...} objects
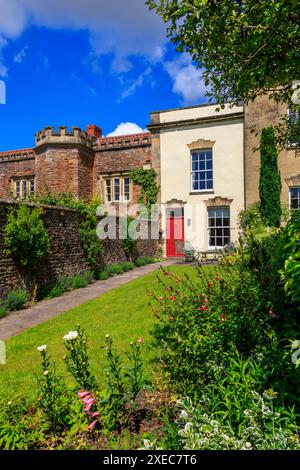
[{"x": 42, "y": 311}]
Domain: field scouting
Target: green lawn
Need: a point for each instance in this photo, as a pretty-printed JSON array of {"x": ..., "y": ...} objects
[{"x": 123, "y": 313}]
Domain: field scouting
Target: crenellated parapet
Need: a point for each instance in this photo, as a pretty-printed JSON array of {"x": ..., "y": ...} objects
[
  {"x": 17, "y": 155},
  {"x": 123, "y": 141},
  {"x": 49, "y": 137}
]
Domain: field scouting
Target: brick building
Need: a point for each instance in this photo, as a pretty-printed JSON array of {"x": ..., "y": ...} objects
[{"x": 81, "y": 162}]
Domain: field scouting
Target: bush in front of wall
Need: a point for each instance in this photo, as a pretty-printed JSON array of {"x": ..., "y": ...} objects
[
  {"x": 55, "y": 288},
  {"x": 114, "y": 269},
  {"x": 16, "y": 299},
  {"x": 144, "y": 260},
  {"x": 102, "y": 275},
  {"x": 25, "y": 236},
  {"x": 79, "y": 282},
  {"x": 127, "y": 266}
]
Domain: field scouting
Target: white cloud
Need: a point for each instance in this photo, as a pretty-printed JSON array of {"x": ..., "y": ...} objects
[
  {"x": 132, "y": 85},
  {"x": 123, "y": 28},
  {"x": 188, "y": 82},
  {"x": 21, "y": 55},
  {"x": 126, "y": 128}
]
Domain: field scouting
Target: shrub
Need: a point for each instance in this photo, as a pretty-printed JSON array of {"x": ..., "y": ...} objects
[
  {"x": 78, "y": 282},
  {"x": 266, "y": 428},
  {"x": 288, "y": 257},
  {"x": 143, "y": 260},
  {"x": 202, "y": 320},
  {"x": 129, "y": 243},
  {"x": 102, "y": 275},
  {"x": 25, "y": 236},
  {"x": 113, "y": 269},
  {"x": 127, "y": 266},
  {"x": 3, "y": 311},
  {"x": 16, "y": 299},
  {"x": 55, "y": 288}
]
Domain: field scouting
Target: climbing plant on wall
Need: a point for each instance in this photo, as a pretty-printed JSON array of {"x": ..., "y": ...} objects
[
  {"x": 146, "y": 179},
  {"x": 269, "y": 182}
]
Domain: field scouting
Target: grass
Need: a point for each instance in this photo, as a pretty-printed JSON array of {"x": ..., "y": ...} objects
[{"x": 123, "y": 313}]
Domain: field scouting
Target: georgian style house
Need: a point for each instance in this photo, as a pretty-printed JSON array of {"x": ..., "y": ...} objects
[{"x": 201, "y": 174}]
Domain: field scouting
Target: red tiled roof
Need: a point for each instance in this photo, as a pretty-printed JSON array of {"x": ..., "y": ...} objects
[
  {"x": 17, "y": 152},
  {"x": 125, "y": 139}
]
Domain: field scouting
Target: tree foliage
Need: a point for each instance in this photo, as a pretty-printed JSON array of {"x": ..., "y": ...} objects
[
  {"x": 25, "y": 236},
  {"x": 246, "y": 47},
  {"x": 269, "y": 182}
]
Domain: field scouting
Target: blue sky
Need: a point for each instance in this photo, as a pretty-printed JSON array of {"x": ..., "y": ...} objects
[{"x": 80, "y": 62}]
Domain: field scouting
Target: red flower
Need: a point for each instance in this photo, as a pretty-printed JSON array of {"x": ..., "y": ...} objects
[
  {"x": 209, "y": 284},
  {"x": 171, "y": 318},
  {"x": 172, "y": 297},
  {"x": 205, "y": 300},
  {"x": 160, "y": 298},
  {"x": 217, "y": 278},
  {"x": 222, "y": 318},
  {"x": 270, "y": 312},
  {"x": 203, "y": 308},
  {"x": 141, "y": 340}
]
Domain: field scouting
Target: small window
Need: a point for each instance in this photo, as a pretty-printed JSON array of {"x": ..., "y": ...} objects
[
  {"x": 294, "y": 198},
  {"x": 108, "y": 197},
  {"x": 126, "y": 189},
  {"x": 23, "y": 187},
  {"x": 218, "y": 227},
  {"x": 294, "y": 116},
  {"x": 117, "y": 187},
  {"x": 202, "y": 170}
]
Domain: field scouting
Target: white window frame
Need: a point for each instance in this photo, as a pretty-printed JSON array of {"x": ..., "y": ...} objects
[
  {"x": 121, "y": 190},
  {"x": 290, "y": 198},
  {"x": 129, "y": 189},
  {"x": 22, "y": 187},
  {"x": 193, "y": 152},
  {"x": 216, "y": 247}
]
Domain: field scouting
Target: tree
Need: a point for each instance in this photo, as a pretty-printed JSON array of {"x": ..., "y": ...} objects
[
  {"x": 246, "y": 48},
  {"x": 269, "y": 182}
]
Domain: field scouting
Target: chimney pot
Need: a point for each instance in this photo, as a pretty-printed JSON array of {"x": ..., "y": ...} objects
[{"x": 94, "y": 131}]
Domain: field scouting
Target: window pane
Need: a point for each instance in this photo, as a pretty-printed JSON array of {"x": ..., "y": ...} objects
[
  {"x": 294, "y": 204},
  {"x": 126, "y": 189},
  {"x": 117, "y": 189},
  {"x": 31, "y": 186},
  {"x": 202, "y": 170},
  {"x": 219, "y": 226},
  {"x": 219, "y": 242}
]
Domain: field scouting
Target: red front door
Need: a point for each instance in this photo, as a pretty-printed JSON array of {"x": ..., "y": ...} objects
[{"x": 175, "y": 232}]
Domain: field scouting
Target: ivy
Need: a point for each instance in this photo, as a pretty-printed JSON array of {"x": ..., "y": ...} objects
[
  {"x": 269, "y": 182},
  {"x": 25, "y": 236},
  {"x": 146, "y": 179}
]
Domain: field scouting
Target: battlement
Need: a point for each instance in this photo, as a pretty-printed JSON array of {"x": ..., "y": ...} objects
[
  {"x": 123, "y": 141},
  {"x": 48, "y": 136},
  {"x": 15, "y": 155}
]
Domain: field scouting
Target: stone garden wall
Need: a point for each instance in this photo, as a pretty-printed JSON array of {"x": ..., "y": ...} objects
[{"x": 65, "y": 255}]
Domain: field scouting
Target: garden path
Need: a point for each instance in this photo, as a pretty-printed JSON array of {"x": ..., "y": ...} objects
[{"x": 17, "y": 322}]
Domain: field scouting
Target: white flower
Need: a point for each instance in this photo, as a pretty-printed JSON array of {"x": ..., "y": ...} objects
[
  {"x": 46, "y": 372},
  {"x": 107, "y": 336},
  {"x": 184, "y": 415},
  {"x": 42, "y": 348},
  {"x": 71, "y": 336}
]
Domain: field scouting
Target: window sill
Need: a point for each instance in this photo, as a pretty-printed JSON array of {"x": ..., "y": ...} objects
[{"x": 204, "y": 191}]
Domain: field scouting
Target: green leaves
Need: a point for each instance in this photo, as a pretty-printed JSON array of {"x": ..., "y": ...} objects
[{"x": 25, "y": 236}]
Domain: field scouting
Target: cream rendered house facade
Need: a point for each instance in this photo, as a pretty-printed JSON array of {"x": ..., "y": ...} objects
[{"x": 198, "y": 154}]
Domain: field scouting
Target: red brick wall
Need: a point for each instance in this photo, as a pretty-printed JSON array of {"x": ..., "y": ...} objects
[
  {"x": 20, "y": 163},
  {"x": 119, "y": 155}
]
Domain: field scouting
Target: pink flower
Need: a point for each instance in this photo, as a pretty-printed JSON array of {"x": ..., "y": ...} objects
[
  {"x": 160, "y": 298},
  {"x": 171, "y": 318},
  {"x": 92, "y": 425},
  {"x": 205, "y": 300},
  {"x": 94, "y": 414},
  {"x": 83, "y": 394},
  {"x": 222, "y": 318},
  {"x": 141, "y": 340},
  {"x": 203, "y": 308}
]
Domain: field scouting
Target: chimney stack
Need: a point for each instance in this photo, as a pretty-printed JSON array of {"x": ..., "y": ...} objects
[{"x": 94, "y": 131}]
